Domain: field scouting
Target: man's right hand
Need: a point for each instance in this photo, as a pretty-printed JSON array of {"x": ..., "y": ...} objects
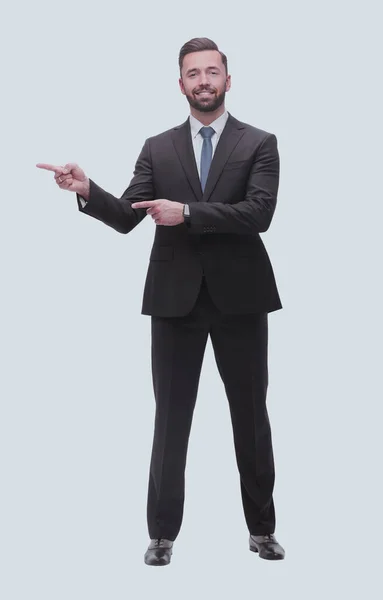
[{"x": 70, "y": 177}]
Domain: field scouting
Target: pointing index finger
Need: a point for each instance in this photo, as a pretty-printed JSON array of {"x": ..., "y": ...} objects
[
  {"x": 143, "y": 204},
  {"x": 49, "y": 167}
]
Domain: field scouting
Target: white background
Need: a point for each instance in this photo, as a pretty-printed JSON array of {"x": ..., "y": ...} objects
[{"x": 88, "y": 82}]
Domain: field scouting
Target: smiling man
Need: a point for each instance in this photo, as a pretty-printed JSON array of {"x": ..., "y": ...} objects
[{"x": 210, "y": 185}]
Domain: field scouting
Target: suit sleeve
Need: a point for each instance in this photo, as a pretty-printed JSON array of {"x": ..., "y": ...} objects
[
  {"x": 118, "y": 212},
  {"x": 254, "y": 213}
]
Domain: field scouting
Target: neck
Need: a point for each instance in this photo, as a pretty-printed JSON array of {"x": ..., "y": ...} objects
[{"x": 208, "y": 117}]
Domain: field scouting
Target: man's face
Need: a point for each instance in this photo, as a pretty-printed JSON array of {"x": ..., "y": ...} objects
[{"x": 204, "y": 81}]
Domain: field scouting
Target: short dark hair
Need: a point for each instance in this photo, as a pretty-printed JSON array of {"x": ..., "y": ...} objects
[{"x": 198, "y": 45}]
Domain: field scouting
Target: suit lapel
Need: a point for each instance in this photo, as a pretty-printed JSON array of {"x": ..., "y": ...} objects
[
  {"x": 230, "y": 136},
  {"x": 184, "y": 147}
]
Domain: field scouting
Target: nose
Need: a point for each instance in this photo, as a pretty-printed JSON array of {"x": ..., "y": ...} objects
[{"x": 204, "y": 79}]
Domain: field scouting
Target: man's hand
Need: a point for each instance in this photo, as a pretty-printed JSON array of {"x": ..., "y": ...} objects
[
  {"x": 163, "y": 212},
  {"x": 70, "y": 177}
]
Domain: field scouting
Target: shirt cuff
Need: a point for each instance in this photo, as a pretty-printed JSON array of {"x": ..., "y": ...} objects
[{"x": 83, "y": 202}]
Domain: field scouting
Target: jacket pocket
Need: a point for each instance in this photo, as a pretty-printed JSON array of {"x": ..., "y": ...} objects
[{"x": 162, "y": 253}]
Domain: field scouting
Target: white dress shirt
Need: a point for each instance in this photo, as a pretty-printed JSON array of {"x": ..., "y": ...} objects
[{"x": 197, "y": 139}]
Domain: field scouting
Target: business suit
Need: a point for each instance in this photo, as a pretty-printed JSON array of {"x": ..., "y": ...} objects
[{"x": 211, "y": 277}]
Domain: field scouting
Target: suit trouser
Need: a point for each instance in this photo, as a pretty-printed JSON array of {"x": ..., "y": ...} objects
[{"x": 240, "y": 344}]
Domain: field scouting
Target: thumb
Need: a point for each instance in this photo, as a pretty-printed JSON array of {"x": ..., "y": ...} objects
[{"x": 68, "y": 168}]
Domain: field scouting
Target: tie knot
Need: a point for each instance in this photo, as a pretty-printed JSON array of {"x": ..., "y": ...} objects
[{"x": 207, "y": 132}]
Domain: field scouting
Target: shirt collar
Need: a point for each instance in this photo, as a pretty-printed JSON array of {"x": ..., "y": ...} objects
[{"x": 218, "y": 125}]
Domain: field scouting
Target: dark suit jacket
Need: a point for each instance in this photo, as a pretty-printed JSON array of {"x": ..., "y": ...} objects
[{"x": 223, "y": 239}]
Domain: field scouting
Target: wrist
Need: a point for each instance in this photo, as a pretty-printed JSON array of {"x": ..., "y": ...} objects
[{"x": 85, "y": 192}]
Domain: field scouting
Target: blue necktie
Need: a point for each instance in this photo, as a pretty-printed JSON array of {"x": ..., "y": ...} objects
[{"x": 206, "y": 154}]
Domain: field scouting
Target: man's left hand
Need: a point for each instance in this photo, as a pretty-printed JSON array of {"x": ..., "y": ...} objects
[{"x": 163, "y": 212}]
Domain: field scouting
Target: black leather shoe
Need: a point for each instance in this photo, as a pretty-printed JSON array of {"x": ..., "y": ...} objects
[
  {"x": 159, "y": 552},
  {"x": 267, "y": 547}
]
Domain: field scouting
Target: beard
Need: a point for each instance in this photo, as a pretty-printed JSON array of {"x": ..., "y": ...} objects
[{"x": 207, "y": 104}]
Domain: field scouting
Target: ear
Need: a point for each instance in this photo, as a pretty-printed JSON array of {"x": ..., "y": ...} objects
[
  {"x": 228, "y": 83},
  {"x": 182, "y": 87}
]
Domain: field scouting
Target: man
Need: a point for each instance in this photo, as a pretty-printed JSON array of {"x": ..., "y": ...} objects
[{"x": 211, "y": 187}]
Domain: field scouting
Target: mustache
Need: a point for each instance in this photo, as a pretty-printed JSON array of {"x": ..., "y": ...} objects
[{"x": 197, "y": 91}]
